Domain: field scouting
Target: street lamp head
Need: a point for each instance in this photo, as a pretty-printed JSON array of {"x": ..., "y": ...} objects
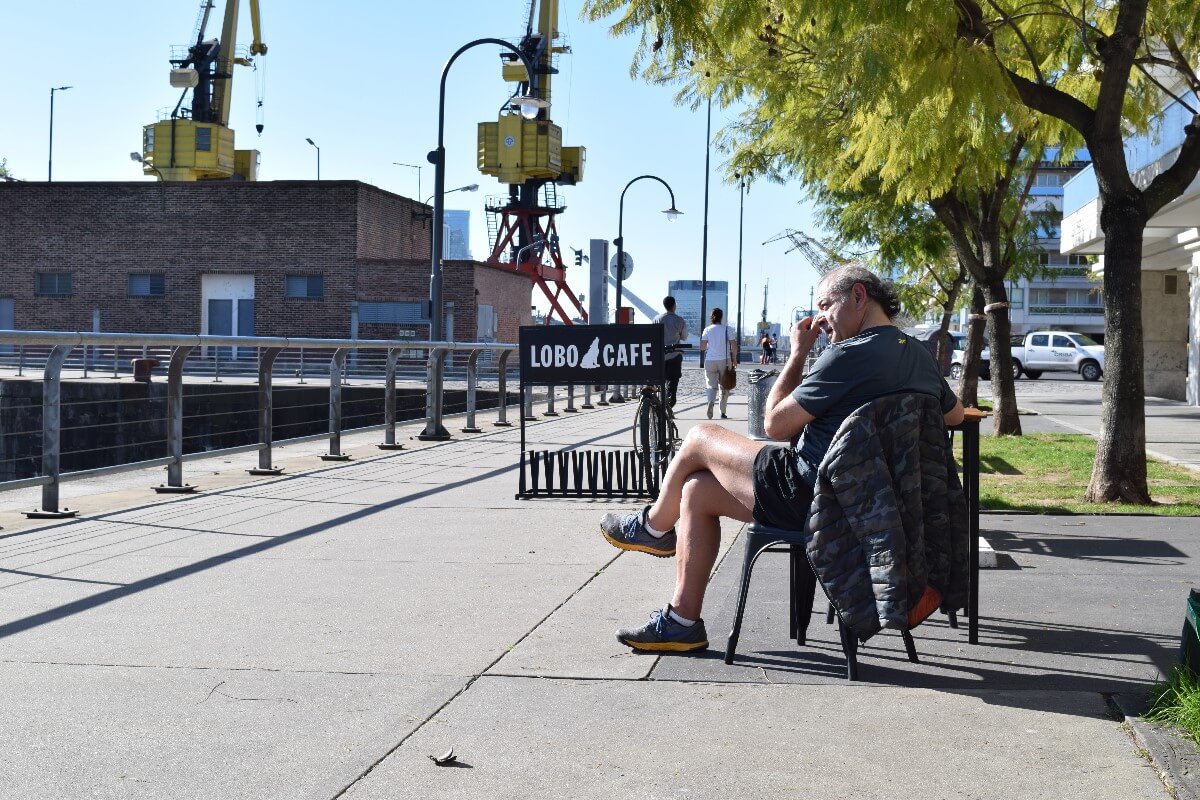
[
  {"x": 672, "y": 213},
  {"x": 310, "y": 141},
  {"x": 136, "y": 157},
  {"x": 60, "y": 88},
  {"x": 530, "y": 106},
  {"x": 473, "y": 187}
]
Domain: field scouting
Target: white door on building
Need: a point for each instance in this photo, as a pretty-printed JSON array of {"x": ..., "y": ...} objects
[{"x": 227, "y": 309}]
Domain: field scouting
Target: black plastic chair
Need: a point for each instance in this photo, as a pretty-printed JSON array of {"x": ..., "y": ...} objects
[{"x": 802, "y": 586}]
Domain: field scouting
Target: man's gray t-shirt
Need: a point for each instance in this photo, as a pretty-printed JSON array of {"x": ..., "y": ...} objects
[
  {"x": 877, "y": 362},
  {"x": 674, "y": 330}
]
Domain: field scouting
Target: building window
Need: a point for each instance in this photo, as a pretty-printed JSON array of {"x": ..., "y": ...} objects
[
  {"x": 1170, "y": 283},
  {"x": 304, "y": 286},
  {"x": 204, "y": 139},
  {"x": 1016, "y": 298},
  {"x": 1048, "y": 179},
  {"x": 147, "y": 285},
  {"x": 52, "y": 284}
]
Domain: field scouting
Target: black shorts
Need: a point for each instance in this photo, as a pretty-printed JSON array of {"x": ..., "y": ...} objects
[
  {"x": 782, "y": 494},
  {"x": 674, "y": 368}
]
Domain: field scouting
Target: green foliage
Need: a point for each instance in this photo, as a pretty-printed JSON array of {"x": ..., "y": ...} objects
[
  {"x": 1177, "y": 703},
  {"x": 4, "y": 173}
]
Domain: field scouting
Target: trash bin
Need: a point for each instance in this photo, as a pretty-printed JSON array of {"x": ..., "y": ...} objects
[
  {"x": 760, "y": 382},
  {"x": 1189, "y": 647},
  {"x": 143, "y": 368}
]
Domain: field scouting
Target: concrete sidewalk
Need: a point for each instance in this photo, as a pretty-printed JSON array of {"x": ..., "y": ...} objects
[{"x": 318, "y": 635}]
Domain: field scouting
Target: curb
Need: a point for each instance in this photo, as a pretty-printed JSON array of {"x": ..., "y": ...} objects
[{"x": 1174, "y": 758}]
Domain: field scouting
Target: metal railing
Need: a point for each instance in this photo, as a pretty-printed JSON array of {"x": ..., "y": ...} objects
[{"x": 256, "y": 358}]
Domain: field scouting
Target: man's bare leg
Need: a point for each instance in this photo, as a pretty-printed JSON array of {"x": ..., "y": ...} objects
[
  {"x": 698, "y": 532},
  {"x": 728, "y": 456},
  {"x": 710, "y": 478}
]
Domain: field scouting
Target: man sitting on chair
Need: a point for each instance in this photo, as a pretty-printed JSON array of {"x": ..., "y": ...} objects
[{"x": 719, "y": 473}]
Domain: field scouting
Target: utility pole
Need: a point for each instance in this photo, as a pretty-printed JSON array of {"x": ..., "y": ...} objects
[
  {"x": 50, "y": 160},
  {"x": 704, "y": 240}
]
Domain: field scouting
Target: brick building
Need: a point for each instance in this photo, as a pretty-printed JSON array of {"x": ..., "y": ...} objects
[{"x": 273, "y": 258}]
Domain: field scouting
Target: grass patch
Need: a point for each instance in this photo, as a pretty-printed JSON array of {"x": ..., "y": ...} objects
[
  {"x": 1177, "y": 703},
  {"x": 1047, "y": 473}
]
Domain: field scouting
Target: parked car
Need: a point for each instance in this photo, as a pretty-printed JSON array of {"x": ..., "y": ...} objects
[{"x": 1045, "y": 351}]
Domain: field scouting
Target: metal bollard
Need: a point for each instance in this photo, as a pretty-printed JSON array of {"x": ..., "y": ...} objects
[
  {"x": 337, "y": 365},
  {"x": 51, "y": 435},
  {"x": 602, "y": 401},
  {"x": 571, "y": 409},
  {"x": 389, "y": 402},
  {"x": 759, "y": 382},
  {"x": 175, "y": 484},
  {"x": 527, "y": 403},
  {"x": 472, "y": 385},
  {"x": 435, "y": 431},
  {"x": 550, "y": 412},
  {"x": 502, "y": 416},
  {"x": 266, "y": 412},
  {"x": 587, "y": 397}
]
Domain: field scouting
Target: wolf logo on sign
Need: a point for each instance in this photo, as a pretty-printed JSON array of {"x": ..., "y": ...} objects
[{"x": 591, "y": 356}]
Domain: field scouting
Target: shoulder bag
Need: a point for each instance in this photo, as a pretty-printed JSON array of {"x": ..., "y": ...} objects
[{"x": 729, "y": 374}]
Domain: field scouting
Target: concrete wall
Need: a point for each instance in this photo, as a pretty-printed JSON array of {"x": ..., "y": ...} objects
[{"x": 1165, "y": 334}]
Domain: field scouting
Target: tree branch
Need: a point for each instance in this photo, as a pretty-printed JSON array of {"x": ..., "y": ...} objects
[
  {"x": 1038, "y": 96},
  {"x": 1173, "y": 181},
  {"x": 1033, "y": 62}
]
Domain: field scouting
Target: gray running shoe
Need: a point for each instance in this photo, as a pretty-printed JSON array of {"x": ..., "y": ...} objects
[
  {"x": 628, "y": 532},
  {"x": 664, "y": 635}
]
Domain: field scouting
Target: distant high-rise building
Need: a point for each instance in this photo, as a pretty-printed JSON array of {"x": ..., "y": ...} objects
[
  {"x": 457, "y": 235},
  {"x": 687, "y": 303}
]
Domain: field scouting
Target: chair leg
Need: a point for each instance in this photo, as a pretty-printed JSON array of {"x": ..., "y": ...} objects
[
  {"x": 793, "y": 607},
  {"x": 747, "y": 568},
  {"x": 805, "y": 589},
  {"x": 850, "y": 648},
  {"x": 829, "y": 615},
  {"x": 953, "y": 620},
  {"x": 910, "y": 646}
]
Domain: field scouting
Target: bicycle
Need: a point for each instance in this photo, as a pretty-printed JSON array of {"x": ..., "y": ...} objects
[{"x": 655, "y": 435}]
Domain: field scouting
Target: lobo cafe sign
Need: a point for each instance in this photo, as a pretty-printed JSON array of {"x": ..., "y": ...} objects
[{"x": 561, "y": 354}]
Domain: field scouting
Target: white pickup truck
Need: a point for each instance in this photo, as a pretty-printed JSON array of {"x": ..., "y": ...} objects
[{"x": 1045, "y": 351}]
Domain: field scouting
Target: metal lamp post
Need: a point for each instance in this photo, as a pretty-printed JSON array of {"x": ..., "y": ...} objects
[
  {"x": 437, "y": 157},
  {"x": 741, "y": 220},
  {"x": 50, "y": 160},
  {"x": 434, "y": 428},
  {"x": 672, "y": 214},
  {"x": 314, "y": 144},
  {"x": 704, "y": 239}
]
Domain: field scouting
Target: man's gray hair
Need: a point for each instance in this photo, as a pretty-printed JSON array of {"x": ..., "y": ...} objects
[{"x": 841, "y": 280}]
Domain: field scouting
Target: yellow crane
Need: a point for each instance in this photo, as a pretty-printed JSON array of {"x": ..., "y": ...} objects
[
  {"x": 529, "y": 156},
  {"x": 196, "y": 143}
]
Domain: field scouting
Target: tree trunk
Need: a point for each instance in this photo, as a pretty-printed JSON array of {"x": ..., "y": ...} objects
[
  {"x": 1119, "y": 473},
  {"x": 969, "y": 391},
  {"x": 1005, "y": 421}
]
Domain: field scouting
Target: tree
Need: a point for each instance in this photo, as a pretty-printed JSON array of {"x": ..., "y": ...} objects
[
  {"x": 4, "y": 173},
  {"x": 1105, "y": 68},
  {"x": 912, "y": 86},
  {"x": 832, "y": 104}
]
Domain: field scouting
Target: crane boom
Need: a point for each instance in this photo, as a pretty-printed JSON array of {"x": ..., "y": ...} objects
[{"x": 818, "y": 254}]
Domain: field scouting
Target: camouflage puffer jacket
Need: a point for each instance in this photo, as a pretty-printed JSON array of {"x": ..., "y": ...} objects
[{"x": 889, "y": 515}]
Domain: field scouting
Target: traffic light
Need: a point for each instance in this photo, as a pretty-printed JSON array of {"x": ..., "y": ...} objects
[{"x": 578, "y": 258}]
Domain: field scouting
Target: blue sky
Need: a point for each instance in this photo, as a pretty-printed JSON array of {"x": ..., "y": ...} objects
[{"x": 360, "y": 78}]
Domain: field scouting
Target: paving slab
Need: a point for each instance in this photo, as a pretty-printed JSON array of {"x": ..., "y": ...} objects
[
  {"x": 520, "y": 738},
  {"x": 73, "y": 731}
]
